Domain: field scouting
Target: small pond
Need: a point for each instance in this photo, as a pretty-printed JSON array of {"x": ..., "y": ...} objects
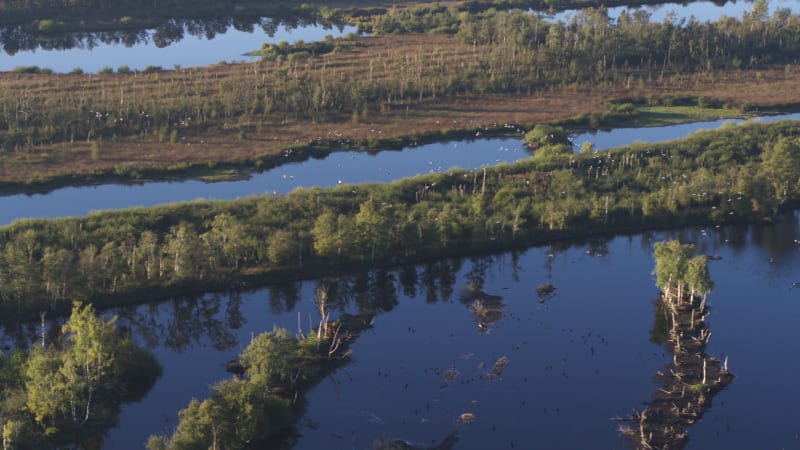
[{"x": 344, "y": 167}]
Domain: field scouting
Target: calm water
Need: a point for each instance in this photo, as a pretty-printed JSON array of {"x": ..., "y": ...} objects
[
  {"x": 192, "y": 51},
  {"x": 576, "y": 360},
  {"x": 91, "y": 55},
  {"x": 345, "y": 167},
  {"x": 703, "y": 11}
]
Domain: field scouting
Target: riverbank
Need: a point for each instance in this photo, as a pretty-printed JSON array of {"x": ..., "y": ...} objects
[
  {"x": 226, "y": 156},
  {"x": 207, "y": 122}
]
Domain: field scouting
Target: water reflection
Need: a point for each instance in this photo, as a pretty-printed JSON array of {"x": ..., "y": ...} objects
[
  {"x": 582, "y": 359},
  {"x": 341, "y": 166},
  {"x": 165, "y": 43},
  {"x": 185, "y": 322},
  {"x": 687, "y": 384},
  {"x": 283, "y": 297},
  {"x": 448, "y": 443},
  {"x": 701, "y": 11}
]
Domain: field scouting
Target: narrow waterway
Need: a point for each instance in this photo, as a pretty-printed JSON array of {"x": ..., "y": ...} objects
[{"x": 347, "y": 167}]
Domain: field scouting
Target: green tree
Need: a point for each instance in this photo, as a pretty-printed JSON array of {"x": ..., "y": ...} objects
[
  {"x": 671, "y": 261},
  {"x": 676, "y": 269},
  {"x": 57, "y": 267},
  {"x": 90, "y": 358},
  {"x": 781, "y": 166},
  {"x": 270, "y": 358},
  {"x": 331, "y": 234},
  {"x": 372, "y": 227},
  {"x": 149, "y": 255},
  {"x": 697, "y": 276},
  {"x": 186, "y": 251},
  {"x": 230, "y": 240},
  {"x": 49, "y": 395},
  {"x": 282, "y": 248}
]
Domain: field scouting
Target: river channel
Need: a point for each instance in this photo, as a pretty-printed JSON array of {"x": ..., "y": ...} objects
[
  {"x": 348, "y": 167},
  {"x": 574, "y": 361}
]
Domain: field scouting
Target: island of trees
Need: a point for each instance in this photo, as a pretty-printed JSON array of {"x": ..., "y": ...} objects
[
  {"x": 66, "y": 389},
  {"x": 693, "y": 378},
  {"x": 257, "y": 408}
]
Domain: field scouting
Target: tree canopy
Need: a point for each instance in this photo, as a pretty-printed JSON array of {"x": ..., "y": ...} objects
[
  {"x": 70, "y": 387},
  {"x": 677, "y": 270}
]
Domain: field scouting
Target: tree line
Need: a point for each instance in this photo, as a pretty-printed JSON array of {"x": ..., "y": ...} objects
[
  {"x": 736, "y": 173},
  {"x": 490, "y": 53}
]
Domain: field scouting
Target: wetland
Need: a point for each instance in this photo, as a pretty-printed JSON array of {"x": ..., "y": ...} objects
[{"x": 437, "y": 270}]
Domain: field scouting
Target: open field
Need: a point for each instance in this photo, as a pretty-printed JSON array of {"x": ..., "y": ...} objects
[{"x": 242, "y": 138}]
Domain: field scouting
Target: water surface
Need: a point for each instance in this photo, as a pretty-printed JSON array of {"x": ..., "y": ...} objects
[
  {"x": 191, "y": 51},
  {"x": 702, "y": 11},
  {"x": 336, "y": 168},
  {"x": 576, "y": 360}
]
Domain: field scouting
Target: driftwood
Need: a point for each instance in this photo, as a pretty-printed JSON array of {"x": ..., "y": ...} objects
[
  {"x": 486, "y": 308},
  {"x": 545, "y": 291},
  {"x": 448, "y": 443},
  {"x": 687, "y": 385}
]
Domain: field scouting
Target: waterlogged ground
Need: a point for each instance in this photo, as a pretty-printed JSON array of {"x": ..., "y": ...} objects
[{"x": 545, "y": 374}]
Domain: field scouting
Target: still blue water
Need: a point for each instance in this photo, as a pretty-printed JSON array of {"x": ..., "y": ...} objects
[
  {"x": 192, "y": 51},
  {"x": 703, "y": 11},
  {"x": 345, "y": 167},
  {"x": 576, "y": 361},
  {"x": 233, "y": 44}
]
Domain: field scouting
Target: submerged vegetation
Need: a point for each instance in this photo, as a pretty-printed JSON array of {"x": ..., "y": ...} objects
[{"x": 733, "y": 174}]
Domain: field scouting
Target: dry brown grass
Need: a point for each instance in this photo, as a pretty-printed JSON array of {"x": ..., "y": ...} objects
[{"x": 220, "y": 144}]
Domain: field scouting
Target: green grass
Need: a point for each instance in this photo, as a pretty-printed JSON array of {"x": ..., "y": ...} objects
[
  {"x": 651, "y": 116},
  {"x": 223, "y": 175},
  {"x": 697, "y": 388}
]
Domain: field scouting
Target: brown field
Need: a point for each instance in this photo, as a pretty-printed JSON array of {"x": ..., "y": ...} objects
[{"x": 221, "y": 142}]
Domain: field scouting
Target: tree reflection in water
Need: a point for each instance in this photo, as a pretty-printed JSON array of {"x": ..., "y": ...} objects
[{"x": 92, "y": 32}]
